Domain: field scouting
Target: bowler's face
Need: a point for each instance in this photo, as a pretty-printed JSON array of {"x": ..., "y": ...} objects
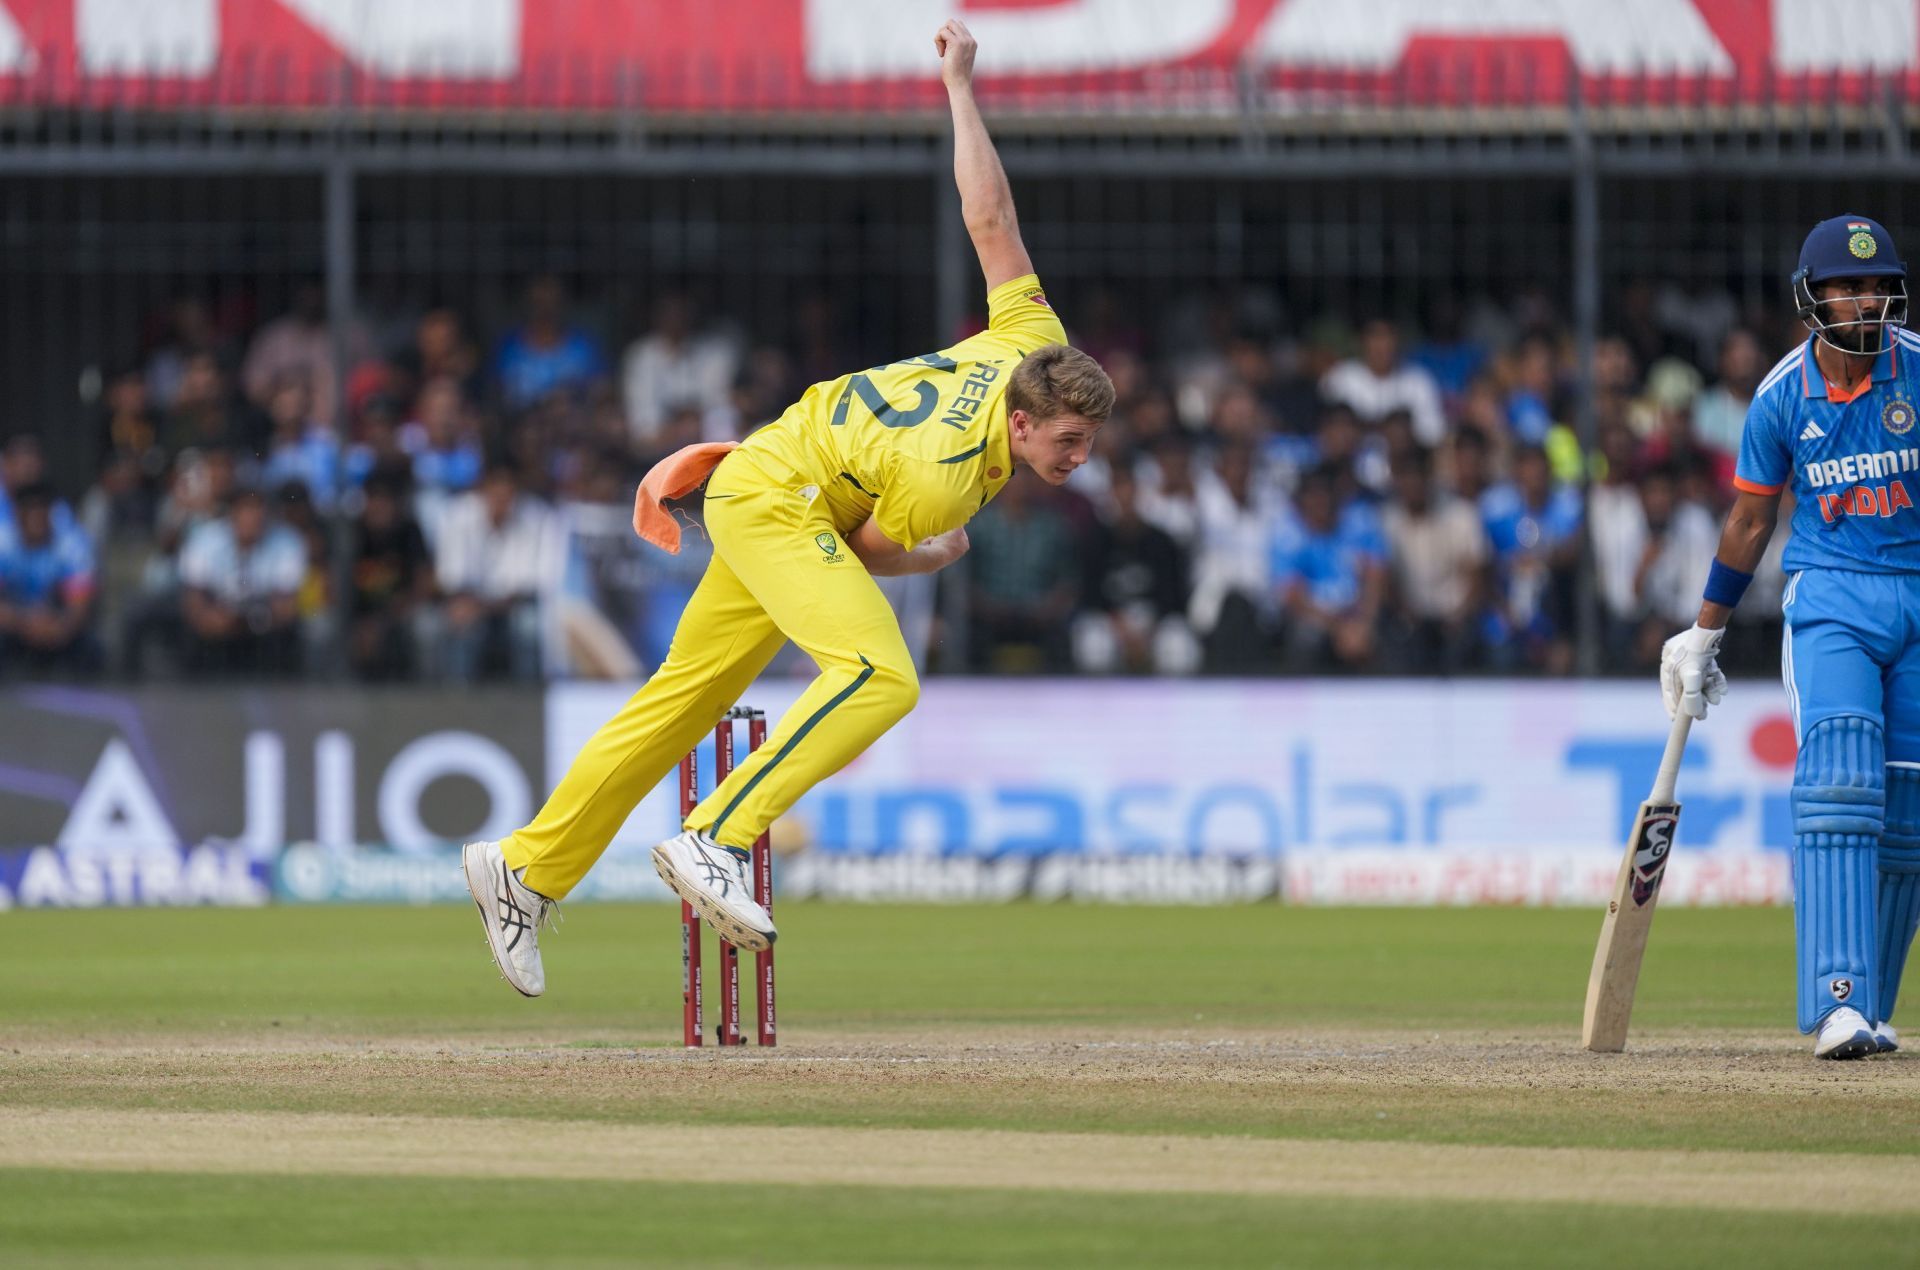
[{"x": 1058, "y": 447}]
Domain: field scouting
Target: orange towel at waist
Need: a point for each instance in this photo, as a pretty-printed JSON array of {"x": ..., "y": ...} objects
[{"x": 675, "y": 476}]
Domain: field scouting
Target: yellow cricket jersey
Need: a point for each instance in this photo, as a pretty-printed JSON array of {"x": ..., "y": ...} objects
[{"x": 920, "y": 444}]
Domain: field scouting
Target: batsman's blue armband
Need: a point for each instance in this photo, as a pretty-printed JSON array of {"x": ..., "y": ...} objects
[{"x": 1726, "y": 585}]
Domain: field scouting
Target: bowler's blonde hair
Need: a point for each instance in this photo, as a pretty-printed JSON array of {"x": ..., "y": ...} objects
[{"x": 1058, "y": 380}]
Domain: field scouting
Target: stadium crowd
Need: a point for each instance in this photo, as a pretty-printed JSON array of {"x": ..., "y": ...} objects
[{"x": 1268, "y": 496}]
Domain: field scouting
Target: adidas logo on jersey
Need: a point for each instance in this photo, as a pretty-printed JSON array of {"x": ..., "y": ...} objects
[{"x": 1811, "y": 431}]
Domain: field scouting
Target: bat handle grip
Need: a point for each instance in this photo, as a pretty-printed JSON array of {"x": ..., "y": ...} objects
[{"x": 1669, "y": 774}]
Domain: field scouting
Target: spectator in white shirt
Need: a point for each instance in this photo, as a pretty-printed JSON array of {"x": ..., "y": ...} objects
[
  {"x": 1617, "y": 523},
  {"x": 673, "y": 366},
  {"x": 240, "y": 579},
  {"x": 495, "y": 555},
  {"x": 1232, "y": 606},
  {"x": 1377, "y": 383},
  {"x": 1437, "y": 556},
  {"x": 1169, "y": 490},
  {"x": 1681, "y": 539}
]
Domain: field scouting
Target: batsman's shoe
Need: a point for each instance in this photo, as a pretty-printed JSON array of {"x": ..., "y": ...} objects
[
  {"x": 1845, "y": 1033},
  {"x": 714, "y": 880},
  {"x": 1885, "y": 1039},
  {"x": 512, "y": 915}
]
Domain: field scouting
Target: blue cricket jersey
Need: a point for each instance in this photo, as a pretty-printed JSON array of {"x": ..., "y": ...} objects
[
  {"x": 58, "y": 572},
  {"x": 1329, "y": 564},
  {"x": 1515, "y": 528},
  {"x": 1853, "y": 461}
]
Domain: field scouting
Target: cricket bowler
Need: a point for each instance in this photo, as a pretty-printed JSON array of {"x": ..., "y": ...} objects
[
  {"x": 872, "y": 474},
  {"x": 1835, "y": 419}
]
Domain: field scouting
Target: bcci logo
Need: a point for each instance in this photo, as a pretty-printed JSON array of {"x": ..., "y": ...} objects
[
  {"x": 1897, "y": 416},
  {"x": 1860, "y": 241},
  {"x": 1842, "y": 989},
  {"x": 1650, "y": 857},
  {"x": 829, "y": 548}
]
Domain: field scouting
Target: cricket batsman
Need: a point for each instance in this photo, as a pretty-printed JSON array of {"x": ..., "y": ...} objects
[
  {"x": 869, "y": 475},
  {"x": 1835, "y": 419}
]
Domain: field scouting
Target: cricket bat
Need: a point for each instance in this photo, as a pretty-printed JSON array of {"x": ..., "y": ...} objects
[{"x": 1623, "y": 932}]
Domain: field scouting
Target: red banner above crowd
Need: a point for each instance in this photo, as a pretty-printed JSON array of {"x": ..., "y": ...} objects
[{"x": 1095, "y": 56}]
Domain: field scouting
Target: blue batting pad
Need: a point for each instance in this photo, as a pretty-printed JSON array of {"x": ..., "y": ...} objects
[
  {"x": 1899, "y": 911},
  {"x": 1839, "y": 812}
]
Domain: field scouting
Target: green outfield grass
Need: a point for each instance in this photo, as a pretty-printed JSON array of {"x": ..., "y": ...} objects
[
  {"x": 614, "y": 973},
  {"x": 1414, "y": 1026},
  {"x": 95, "y": 1219}
]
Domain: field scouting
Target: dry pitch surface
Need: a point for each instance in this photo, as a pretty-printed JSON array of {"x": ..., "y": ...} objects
[{"x": 268, "y": 1106}]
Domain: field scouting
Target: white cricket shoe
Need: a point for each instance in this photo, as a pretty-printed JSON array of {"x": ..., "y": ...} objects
[
  {"x": 714, "y": 880},
  {"x": 512, "y": 915},
  {"x": 1845, "y": 1033},
  {"x": 1885, "y": 1039}
]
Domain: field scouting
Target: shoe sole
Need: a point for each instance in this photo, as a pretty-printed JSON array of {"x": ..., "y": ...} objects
[
  {"x": 1860, "y": 1045},
  {"x": 735, "y": 931},
  {"x": 478, "y": 888}
]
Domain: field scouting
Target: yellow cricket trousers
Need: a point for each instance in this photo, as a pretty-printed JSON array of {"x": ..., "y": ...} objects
[{"x": 780, "y": 571}]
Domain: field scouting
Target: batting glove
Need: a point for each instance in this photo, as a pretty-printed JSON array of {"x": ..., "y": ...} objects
[{"x": 1690, "y": 677}]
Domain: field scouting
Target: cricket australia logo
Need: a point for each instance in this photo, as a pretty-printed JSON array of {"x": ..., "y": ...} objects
[
  {"x": 1650, "y": 856},
  {"x": 829, "y": 548},
  {"x": 1897, "y": 416}
]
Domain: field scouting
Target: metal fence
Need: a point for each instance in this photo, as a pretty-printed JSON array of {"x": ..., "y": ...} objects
[{"x": 90, "y": 263}]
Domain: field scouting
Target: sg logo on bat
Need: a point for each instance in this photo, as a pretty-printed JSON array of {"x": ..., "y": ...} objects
[{"x": 1650, "y": 853}]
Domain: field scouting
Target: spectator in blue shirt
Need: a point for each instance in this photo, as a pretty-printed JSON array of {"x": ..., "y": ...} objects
[
  {"x": 1447, "y": 353},
  {"x": 23, "y": 462},
  {"x": 46, "y": 588},
  {"x": 446, "y": 455},
  {"x": 1330, "y": 574},
  {"x": 1534, "y": 526},
  {"x": 1531, "y": 400},
  {"x": 301, "y": 448},
  {"x": 545, "y": 355}
]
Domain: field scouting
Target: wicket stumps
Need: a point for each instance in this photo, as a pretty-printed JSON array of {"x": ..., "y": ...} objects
[{"x": 692, "y": 987}]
